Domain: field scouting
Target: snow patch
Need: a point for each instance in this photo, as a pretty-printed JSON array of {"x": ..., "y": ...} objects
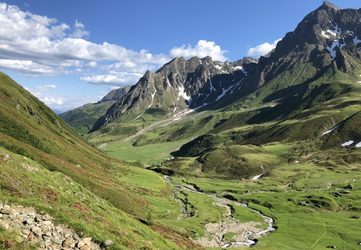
[
  {"x": 324, "y": 34},
  {"x": 332, "y": 49},
  {"x": 356, "y": 41},
  {"x": 358, "y": 145},
  {"x": 236, "y": 86},
  {"x": 348, "y": 143},
  {"x": 174, "y": 107},
  {"x": 334, "y": 33},
  {"x": 211, "y": 88},
  {"x": 153, "y": 95},
  {"x": 218, "y": 67},
  {"x": 242, "y": 69},
  {"x": 183, "y": 94},
  {"x": 336, "y": 30},
  {"x": 168, "y": 83},
  {"x": 224, "y": 92}
]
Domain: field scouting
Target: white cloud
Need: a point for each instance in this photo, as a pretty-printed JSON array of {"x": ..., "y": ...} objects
[
  {"x": 64, "y": 103},
  {"x": 40, "y": 90},
  {"x": 58, "y": 101},
  {"x": 262, "y": 49},
  {"x": 52, "y": 101},
  {"x": 79, "y": 30},
  {"x": 37, "y": 44},
  {"x": 92, "y": 64},
  {"x": 115, "y": 78},
  {"x": 48, "y": 86},
  {"x": 26, "y": 66},
  {"x": 202, "y": 49}
]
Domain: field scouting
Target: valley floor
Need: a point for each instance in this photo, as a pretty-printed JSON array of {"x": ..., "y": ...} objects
[
  {"x": 311, "y": 206},
  {"x": 297, "y": 205}
]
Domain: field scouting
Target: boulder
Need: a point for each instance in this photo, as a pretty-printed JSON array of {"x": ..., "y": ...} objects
[
  {"x": 6, "y": 209},
  {"x": 84, "y": 241},
  {"x": 68, "y": 243},
  {"x": 107, "y": 243}
]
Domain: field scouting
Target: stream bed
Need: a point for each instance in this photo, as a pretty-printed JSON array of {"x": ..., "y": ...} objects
[{"x": 244, "y": 234}]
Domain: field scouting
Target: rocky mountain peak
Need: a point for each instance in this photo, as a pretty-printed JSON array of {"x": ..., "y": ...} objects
[
  {"x": 115, "y": 94},
  {"x": 327, "y": 5}
]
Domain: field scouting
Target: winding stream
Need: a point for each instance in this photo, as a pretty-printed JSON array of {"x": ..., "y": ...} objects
[{"x": 244, "y": 233}]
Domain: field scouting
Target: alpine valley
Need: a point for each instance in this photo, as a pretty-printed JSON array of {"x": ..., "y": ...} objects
[{"x": 200, "y": 154}]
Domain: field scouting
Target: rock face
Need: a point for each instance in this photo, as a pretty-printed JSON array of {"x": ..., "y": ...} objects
[
  {"x": 178, "y": 85},
  {"x": 41, "y": 229},
  {"x": 325, "y": 37},
  {"x": 115, "y": 94}
]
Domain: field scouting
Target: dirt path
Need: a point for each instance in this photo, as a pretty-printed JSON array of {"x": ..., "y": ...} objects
[{"x": 229, "y": 231}]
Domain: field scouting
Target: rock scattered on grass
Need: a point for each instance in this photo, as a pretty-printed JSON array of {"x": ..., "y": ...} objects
[{"x": 41, "y": 229}]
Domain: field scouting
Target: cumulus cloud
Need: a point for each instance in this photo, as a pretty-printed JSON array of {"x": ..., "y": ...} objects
[
  {"x": 114, "y": 78},
  {"x": 64, "y": 103},
  {"x": 79, "y": 30},
  {"x": 92, "y": 64},
  {"x": 37, "y": 44},
  {"x": 52, "y": 101},
  {"x": 262, "y": 49},
  {"x": 57, "y": 101},
  {"x": 26, "y": 66},
  {"x": 202, "y": 49}
]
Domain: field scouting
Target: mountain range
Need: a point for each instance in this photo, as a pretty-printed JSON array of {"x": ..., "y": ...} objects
[
  {"x": 324, "y": 43},
  {"x": 200, "y": 153}
]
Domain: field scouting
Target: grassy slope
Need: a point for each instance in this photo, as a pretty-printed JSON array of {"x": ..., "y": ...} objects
[
  {"x": 74, "y": 182},
  {"x": 24, "y": 181},
  {"x": 83, "y": 118}
]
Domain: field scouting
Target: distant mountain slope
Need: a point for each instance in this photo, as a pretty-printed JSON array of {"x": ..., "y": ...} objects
[
  {"x": 175, "y": 87},
  {"x": 83, "y": 118}
]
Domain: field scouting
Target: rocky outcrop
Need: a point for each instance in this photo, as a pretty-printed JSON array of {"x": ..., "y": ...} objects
[
  {"x": 115, "y": 94},
  {"x": 41, "y": 230}
]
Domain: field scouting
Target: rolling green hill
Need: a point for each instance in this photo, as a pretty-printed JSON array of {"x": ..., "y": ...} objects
[{"x": 45, "y": 165}]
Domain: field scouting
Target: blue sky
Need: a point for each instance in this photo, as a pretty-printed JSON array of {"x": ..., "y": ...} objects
[{"x": 71, "y": 52}]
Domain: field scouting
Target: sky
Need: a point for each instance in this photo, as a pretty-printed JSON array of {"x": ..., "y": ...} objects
[{"x": 68, "y": 53}]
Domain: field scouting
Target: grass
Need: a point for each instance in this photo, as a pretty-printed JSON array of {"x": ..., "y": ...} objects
[
  {"x": 83, "y": 118},
  {"x": 325, "y": 220},
  {"x": 10, "y": 240},
  {"x": 26, "y": 182},
  {"x": 150, "y": 154}
]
